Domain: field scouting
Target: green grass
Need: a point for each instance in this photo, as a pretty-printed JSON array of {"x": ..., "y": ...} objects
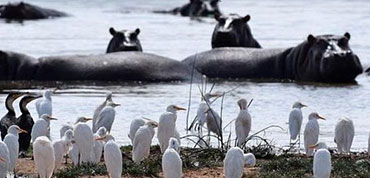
[
  {"x": 84, "y": 169},
  {"x": 269, "y": 166},
  {"x": 291, "y": 166}
]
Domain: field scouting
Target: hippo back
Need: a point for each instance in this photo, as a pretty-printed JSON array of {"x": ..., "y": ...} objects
[
  {"x": 119, "y": 66},
  {"x": 25, "y": 11},
  {"x": 237, "y": 62}
]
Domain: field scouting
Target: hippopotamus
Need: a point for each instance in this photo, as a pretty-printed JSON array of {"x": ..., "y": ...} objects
[
  {"x": 25, "y": 11},
  {"x": 118, "y": 66},
  {"x": 233, "y": 31},
  {"x": 196, "y": 8},
  {"x": 124, "y": 40},
  {"x": 323, "y": 58}
]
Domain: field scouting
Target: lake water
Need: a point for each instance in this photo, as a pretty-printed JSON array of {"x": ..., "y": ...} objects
[{"x": 274, "y": 24}]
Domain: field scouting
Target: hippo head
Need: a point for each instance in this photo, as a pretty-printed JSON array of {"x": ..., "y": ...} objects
[
  {"x": 203, "y": 8},
  {"x": 330, "y": 59},
  {"x": 12, "y": 10},
  {"x": 210, "y": 8},
  {"x": 233, "y": 31},
  {"x": 124, "y": 40}
]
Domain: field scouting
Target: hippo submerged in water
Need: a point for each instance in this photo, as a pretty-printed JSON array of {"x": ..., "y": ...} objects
[
  {"x": 196, "y": 8},
  {"x": 25, "y": 11},
  {"x": 233, "y": 31},
  {"x": 324, "y": 58},
  {"x": 124, "y": 40},
  {"x": 118, "y": 66}
]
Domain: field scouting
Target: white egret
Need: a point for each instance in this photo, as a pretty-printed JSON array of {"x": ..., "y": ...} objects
[
  {"x": 74, "y": 153},
  {"x": 142, "y": 141},
  {"x": 295, "y": 122},
  {"x": 11, "y": 141},
  {"x": 84, "y": 140},
  {"x": 64, "y": 129},
  {"x": 201, "y": 112},
  {"x": 44, "y": 104},
  {"x": 9, "y": 118},
  {"x": 344, "y": 133},
  {"x": 134, "y": 126},
  {"x": 213, "y": 122},
  {"x": 243, "y": 122},
  {"x": 167, "y": 126},
  {"x": 4, "y": 159},
  {"x": 171, "y": 161},
  {"x": 61, "y": 148},
  {"x": 44, "y": 158},
  {"x": 112, "y": 157},
  {"x": 106, "y": 117},
  {"x": 100, "y": 107},
  {"x": 98, "y": 145},
  {"x": 321, "y": 161},
  {"x": 235, "y": 160},
  {"x": 311, "y": 132},
  {"x": 41, "y": 127}
]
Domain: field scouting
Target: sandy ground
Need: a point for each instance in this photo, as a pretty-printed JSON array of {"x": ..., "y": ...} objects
[{"x": 26, "y": 167}]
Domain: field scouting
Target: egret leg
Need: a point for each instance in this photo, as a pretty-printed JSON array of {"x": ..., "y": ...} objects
[
  {"x": 299, "y": 143},
  {"x": 79, "y": 159},
  {"x": 209, "y": 137},
  {"x": 66, "y": 156}
]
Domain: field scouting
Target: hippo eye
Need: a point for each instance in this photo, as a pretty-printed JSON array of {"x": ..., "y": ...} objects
[
  {"x": 222, "y": 20},
  {"x": 343, "y": 42},
  {"x": 132, "y": 35},
  {"x": 323, "y": 43},
  {"x": 120, "y": 35}
]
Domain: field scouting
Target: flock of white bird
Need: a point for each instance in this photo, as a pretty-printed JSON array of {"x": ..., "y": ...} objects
[{"x": 85, "y": 144}]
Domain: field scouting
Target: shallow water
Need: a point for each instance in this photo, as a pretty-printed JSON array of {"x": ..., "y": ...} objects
[{"x": 274, "y": 23}]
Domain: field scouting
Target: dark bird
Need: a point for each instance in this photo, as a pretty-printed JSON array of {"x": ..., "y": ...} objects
[
  {"x": 25, "y": 121},
  {"x": 9, "y": 118}
]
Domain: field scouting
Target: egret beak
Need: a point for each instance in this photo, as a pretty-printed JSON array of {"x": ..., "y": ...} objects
[
  {"x": 155, "y": 123},
  {"x": 215, "y": 95},
  {"x": 52, "y": 118},
  {"x": 2, "y": 159},
  {"x": 54, "y": 90},
  {"x": 179, "y": 108},
  {"x": 100, "y": 138},
  {"x": 116, "y": 104},
  {"x": 88, "y": 119},
  {"x": 312, "y": 146},
  {"x": 319, "y": 117},
  {"x": 22, "y": 131},
  {"x": 303, "y": 105}
]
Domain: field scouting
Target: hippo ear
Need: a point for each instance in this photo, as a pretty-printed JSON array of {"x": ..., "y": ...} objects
[
  {"x": 137, "y": 31},
  {"x": 347, "y": 35},
  {"x": 311, "y": 39},
  {"x": 112, "y": 31},
  {"x": 247, "y": 18}
]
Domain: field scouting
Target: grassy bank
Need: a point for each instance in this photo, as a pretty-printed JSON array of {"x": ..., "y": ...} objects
[{"x": 285, "y": 165}]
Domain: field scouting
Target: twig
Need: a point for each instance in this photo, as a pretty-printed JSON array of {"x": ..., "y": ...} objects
[{"x": 191, "y": 87}]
